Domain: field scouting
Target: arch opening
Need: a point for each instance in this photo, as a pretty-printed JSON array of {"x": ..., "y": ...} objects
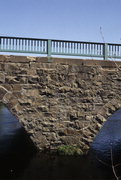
[
  {"x": 107, "y": 144},
  {"x": 16, "y": 148}
]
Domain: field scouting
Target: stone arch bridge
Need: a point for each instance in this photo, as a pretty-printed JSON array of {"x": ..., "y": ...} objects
[{"x": 62, "y": 102}]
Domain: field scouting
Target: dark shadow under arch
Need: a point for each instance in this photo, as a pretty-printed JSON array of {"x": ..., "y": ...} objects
[
  {"x": 16, "y": 148},
  {"x": 108, "y": 140}
]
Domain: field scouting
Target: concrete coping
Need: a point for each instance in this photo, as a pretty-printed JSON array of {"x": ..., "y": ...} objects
[{"x": 66, "y": 61}]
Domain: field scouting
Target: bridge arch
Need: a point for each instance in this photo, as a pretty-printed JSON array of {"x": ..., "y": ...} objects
[
  {"x": 98, "y": 121},
  {"x": 20, "y": 105}
]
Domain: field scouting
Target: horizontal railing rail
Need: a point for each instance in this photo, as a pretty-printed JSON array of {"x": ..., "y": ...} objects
[
  {"x": 23, "y": 45},
  {"x": 59, "y": 47}
]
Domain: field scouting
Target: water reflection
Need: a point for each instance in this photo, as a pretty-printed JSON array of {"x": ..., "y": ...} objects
[{"x": 43, "y": 167}]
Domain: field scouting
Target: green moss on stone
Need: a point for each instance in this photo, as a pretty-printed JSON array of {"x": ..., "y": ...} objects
[{"x": 69, "y": 150}]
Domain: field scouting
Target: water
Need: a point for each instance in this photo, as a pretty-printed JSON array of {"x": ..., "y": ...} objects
[{"x": 19, "y": 159}]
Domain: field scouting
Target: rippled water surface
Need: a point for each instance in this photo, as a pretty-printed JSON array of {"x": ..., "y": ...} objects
[{"x": 20, "y": 161}]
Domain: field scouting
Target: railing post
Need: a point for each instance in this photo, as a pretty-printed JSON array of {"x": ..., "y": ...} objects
[
  {"x": 105, "y": 51},
  {"x": 49, "y": 50}
]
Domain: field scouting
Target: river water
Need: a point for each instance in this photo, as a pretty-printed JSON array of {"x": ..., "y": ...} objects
[{"x": 19, "y": 159}]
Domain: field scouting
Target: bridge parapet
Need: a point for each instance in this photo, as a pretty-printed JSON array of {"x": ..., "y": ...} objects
[{"x": 52, "y": 47}]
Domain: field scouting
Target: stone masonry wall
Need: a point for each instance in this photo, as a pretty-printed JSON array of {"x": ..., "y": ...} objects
[{"x": 62, "y": 102}]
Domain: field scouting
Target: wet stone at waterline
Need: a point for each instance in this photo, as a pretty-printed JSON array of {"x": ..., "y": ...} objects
[{"x": 108, "y": 141}]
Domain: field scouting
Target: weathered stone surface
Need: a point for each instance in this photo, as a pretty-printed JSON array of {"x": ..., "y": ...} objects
[
  {"x": 3, "y": 92},
  {"x": 2, "y": 78},
  {"x": 63, "y": 102}
]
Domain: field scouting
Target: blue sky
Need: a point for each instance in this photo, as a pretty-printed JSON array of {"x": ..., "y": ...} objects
[{"x": 62, "y": 19}]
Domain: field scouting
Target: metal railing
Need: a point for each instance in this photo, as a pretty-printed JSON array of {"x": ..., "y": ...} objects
[{"x": 60, "y": 47}]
